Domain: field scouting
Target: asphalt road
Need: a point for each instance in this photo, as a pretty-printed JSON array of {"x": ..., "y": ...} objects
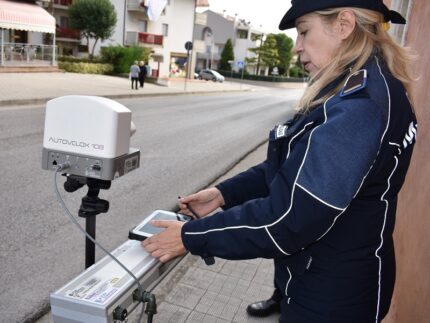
[{"x": 186, "y": 142}]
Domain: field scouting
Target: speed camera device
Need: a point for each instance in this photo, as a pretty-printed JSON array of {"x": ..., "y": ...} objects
[
  {"x": 145, "y": 229},
  {"x": 90, "y": 136},
  {"x": 105, "y": 293}
]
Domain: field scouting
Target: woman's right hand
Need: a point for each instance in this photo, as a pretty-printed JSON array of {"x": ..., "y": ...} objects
[{"x": 203, "y": 202}]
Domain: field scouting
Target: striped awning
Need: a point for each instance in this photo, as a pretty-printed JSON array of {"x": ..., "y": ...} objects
[{"x": 25, "y": 16}]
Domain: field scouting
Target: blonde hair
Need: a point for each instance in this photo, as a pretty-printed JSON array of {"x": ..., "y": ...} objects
[{"x": 369, "y": 35}]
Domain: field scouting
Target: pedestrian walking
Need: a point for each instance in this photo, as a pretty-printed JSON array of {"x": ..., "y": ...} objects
[
  {"x": 134, "y": 75},
  {"x": 142, "y": 73}
]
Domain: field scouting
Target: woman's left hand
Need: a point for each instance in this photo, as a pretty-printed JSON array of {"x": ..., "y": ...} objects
[{"x": 167, "y": 244}]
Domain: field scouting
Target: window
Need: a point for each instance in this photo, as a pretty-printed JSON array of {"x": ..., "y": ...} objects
[
  {"x": 143, "y": 26},
  {"x": 64, "y": 22},
  {"x": 82, "y": 48},
  {"x": 165, "y": 30},
  {"x": 242, "y": 34}
]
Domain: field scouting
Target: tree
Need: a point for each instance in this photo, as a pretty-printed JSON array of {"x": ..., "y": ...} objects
[
  {"x": 267, "y": 53},
  {"x": 253, "y": 60},
  {"x": 94, "y": 18},
  {"x": 297, "y": 70},
  {"x": 226, "y": 55},
  {"x": 285, "y": 45}
]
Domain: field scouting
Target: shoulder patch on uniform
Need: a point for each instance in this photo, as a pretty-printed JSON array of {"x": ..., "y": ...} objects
[{"x": 355, "y": 82}]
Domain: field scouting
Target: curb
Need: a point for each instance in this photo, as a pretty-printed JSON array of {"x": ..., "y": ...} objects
[{"x": 38, "y": 101}]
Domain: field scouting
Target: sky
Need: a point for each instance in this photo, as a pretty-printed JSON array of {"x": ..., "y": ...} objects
[{"x": 267, "y": 13}]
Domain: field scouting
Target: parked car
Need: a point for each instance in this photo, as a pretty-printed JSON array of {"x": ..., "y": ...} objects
[{"x": 211, "y": 75}]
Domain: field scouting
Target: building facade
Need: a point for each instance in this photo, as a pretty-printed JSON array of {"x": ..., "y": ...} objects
[
  {"x": 211, "y": 32},
  {"x": 166, "y": 36}
]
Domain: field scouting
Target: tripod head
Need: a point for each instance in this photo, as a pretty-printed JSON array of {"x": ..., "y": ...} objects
[
  {"x": 91, "y": 206},
  {"x": 91, "y": 203}
]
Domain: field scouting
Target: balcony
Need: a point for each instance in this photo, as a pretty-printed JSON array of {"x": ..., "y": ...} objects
[
  {"x": 136, "y": 5},
  {"x": 151, "y": 39},
  {"x": 139, "y": 38},
  {"x": 68, "y": 33},
  {"x": 64, "y": 3}
]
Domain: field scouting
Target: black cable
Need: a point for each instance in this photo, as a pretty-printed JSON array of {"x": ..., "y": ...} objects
[{"x": 76, "y": 223}]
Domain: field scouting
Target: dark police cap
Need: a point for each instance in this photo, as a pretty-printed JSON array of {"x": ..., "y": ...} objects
[{"x": 302, "y": 7}]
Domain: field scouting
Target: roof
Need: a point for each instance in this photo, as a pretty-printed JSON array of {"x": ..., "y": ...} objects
[{"x": 25, "y": 16}]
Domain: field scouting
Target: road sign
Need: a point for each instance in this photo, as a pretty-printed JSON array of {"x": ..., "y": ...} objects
[
  {"x": 188, "y": 45},
  {"x": 275, "y": 71},
  {"x": 240, "y": 64}
]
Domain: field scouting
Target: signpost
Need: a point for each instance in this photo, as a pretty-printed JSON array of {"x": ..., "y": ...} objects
[
  {"x": 188, "y": 47},
  {"x": 241, "y": 65},
  {"x": 275, "y": 72},
  {"x": 231, "y": 62}
]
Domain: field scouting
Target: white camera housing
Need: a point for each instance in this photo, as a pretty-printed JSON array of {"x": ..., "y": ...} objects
[{"x": 89, "y": 134}]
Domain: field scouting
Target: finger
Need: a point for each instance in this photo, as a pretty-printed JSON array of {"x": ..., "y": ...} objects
[
  {"x": 184, "y": 210},
  {"x": 151, "y": 247},
  {"x": 188, "y": 199},
  {"x": 165, "y": 258},
  {"x": 158, "y": 253},
  {"x": 182, "y": 206},
  {"x": 153, "y": 240},
  {"x": 162, "y": 223}
]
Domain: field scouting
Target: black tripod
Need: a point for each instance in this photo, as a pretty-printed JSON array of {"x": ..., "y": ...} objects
[{"x": 90, "y": 207}]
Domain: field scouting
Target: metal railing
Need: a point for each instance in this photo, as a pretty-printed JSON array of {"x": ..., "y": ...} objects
[
  {"x": 63, "y": 32},
  {"x": 63, "y": 2},
  {"x": 21, "y": 54},
  {"x": 147, "y": 38},
  {"x": 136, "y": 5},
  {"x": 135, "y": 38}
]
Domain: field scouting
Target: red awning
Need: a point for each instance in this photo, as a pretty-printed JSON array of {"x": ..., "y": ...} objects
[
  {"x": 25, "y": 16},
  {"x": 202, "y": 3}
]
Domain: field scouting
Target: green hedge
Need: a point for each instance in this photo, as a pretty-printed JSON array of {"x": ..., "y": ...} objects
[
  {"x": 296, "y": 71},
  {"x": 86, "y": 68},
  {"x": 73, "y": 59},
  {"x": 263, "y": 78},
  {"x": 123, "y": 57}
]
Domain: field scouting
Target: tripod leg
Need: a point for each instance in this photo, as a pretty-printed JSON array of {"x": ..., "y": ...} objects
[{"x": 90, "y": 251}]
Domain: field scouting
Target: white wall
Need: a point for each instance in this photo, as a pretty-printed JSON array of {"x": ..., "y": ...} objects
[{"x": 179, "y": 16}]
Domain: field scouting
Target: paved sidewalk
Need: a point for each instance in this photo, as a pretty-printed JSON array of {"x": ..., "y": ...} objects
[
  {"x": 196, "y": 293},
  {"x": 37, "y": 88}
]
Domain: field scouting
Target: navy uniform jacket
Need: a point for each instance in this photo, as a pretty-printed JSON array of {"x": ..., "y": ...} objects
[{"x": 323, "y": 203}]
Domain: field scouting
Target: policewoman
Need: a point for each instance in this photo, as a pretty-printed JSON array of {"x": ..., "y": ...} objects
[{"x": 323, "y": 203}]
